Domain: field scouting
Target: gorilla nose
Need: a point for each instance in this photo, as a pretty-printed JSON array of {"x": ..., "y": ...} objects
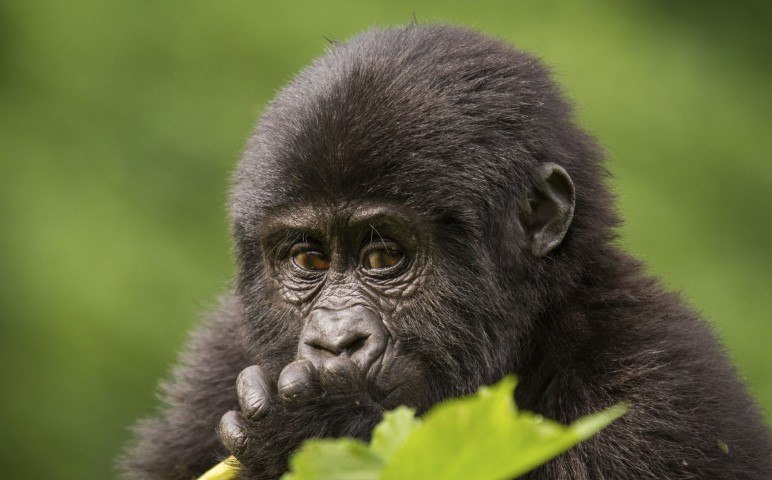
[
  {"x": 355, "y": 333},
  {"x": 343, "y": 345}
]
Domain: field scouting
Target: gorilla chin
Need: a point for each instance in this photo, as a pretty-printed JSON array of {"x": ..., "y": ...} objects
[{"x": 417, "y": 214}]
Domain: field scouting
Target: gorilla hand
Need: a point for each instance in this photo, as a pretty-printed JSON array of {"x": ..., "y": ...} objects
[{"x": 333, "y": 400}]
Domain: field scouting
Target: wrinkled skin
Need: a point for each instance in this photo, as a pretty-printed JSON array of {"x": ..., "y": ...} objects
[
  {"x": 343, "y": 394},
  {"x": 416, "y": 215}
]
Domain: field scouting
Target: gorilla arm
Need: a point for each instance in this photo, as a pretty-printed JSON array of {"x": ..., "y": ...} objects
[
  {"x": 181, "y": 443},
  {"x": 689, "y": 417}
]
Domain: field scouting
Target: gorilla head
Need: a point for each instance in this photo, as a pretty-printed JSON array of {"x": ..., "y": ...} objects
[
  {"x": 417, "y": 215},
  {"x": 405, "y": 204}
]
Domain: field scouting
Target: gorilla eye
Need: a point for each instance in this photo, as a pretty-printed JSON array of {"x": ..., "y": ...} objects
[
  {"x": 382, "y": 258},
  {"x": 311, "y": 260}
]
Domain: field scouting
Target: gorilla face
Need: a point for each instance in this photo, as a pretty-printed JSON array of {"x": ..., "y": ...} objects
[
  {"x": 382, "y": 222},
  {"x": 347, "y": 278}
]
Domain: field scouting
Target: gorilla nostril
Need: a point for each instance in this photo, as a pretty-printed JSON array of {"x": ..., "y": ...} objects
[
  {"x": 331, "y": 350},
  {"x": 346, "y": 346},
  {"x": 357, "y": 344}
]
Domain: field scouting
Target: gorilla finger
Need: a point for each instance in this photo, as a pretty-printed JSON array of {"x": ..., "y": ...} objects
[
  {"x": 297, "y": 380},
  {"x": 232, "y": 431},
  {"x": 255, "y": 390}
]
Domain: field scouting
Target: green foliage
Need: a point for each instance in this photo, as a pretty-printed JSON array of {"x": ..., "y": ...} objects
[
  {"x": 483, "y": 437},
  {"x": 338, "y": 459},
  {"x": 393, "y": 431}
]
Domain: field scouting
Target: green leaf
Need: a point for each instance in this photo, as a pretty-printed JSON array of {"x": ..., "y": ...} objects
[
  {"x": 339, "y": 459},
  {"x": 486, "y": 438},
  {"x": 483, "y": 437},
  {"x": 393, "y": 430},
  {"x": 588, "y": 426}
]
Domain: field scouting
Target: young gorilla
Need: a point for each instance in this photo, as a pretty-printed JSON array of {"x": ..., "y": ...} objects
[{"x": 417, "y": 215}]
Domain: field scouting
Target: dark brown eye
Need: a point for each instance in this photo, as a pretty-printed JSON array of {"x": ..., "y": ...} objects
[
  {"x": 311, "y": 260},
  {"x": 382, "y": 258}
]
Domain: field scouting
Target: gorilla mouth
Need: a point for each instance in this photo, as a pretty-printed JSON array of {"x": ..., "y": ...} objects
[
  {"x": 396, "y": 380},
  {"x": 393, "y": 396}
]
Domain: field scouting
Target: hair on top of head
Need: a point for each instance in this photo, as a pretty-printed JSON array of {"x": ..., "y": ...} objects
[{"x": 365, "y": 119}]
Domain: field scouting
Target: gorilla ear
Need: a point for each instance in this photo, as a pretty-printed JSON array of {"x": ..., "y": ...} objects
[{"x": 549, "y": 209}]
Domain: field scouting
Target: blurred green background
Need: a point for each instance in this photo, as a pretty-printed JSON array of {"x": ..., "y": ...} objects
[{"x": 120, "y": 123}]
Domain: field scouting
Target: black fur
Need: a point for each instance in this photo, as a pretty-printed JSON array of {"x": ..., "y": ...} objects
[{"x": 451, "y": 126}]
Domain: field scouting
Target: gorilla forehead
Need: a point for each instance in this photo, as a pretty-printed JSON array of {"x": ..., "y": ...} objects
[{"x": 411, "y": 115}]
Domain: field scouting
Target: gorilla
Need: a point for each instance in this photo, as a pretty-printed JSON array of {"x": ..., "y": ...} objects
[{"x": 417, "y": 214}]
